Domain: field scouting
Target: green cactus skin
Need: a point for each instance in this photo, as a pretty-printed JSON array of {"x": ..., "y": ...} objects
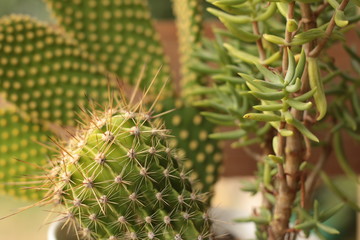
[
  {"x": 19, "y": 139},
  {"x": 189, "y": 24},
  {"x": 119, "y": 179},
  {"x": 45, "y": 74},
  {"x": 54, "y": 96},
  {"x": 202, "y": 156},
  {"x": 116, "y": 33}
]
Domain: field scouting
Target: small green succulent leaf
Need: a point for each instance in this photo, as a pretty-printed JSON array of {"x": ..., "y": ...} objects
[
  {"x": 271, "y": 96},
  {"x": 327, "y": 229},
  {"x": 340, "y": 19},
  {"x": 306, "y": 95},
  {"x": 299, "y": 105},
  {"x": 210, "y": 103},
  {"x": 341, "y": 157},
  {"x": 285, "y": 132},
  {"x": 238, "y": 32},
  {"x": 269, "y": 12},
  {"x": 228, "y": 135},
  {"x": 296, "y": 123},
  {"x": 304, "y": 166},
  {"x": 269, "y": 75},
  {"x": 275, "y": 145},
  {"x": 270, "y": 85},
  {"x": 291, "y": 67},
  {"x": 300, "y": 66},
  {"x": 252, "y": 84},
  {"x": 250, "y": 186},
  {"x": 294, "y": 87},
  {"x": 241, "y": 55},
  {"x": 274, "y": 39},
  {"x": 291, "y": 25},
  {"x": 228, "y": 17},
  {"x": 255, "y": 219},
  {"x": 307, "y": 36},
  {"x": 328, "y": 213},
  {"x": 269, "y": 107},
  {"x": 306, "y": 225},
  {"x": 349, "y": 120},
  {"x": 272, "y": 59},
  {"x": 264, "y": 117},
  {"x": 218, "y": 116},
  {"x": 226, "y": 78},
  {"x": 315, "y": 82},
  {"x": 283, "y": 8},
  {"x": 333, "y": 3},
  {"x": 276, "y": 159},
  {"x": 226, "y": 2},
  {"x": 203, "y": 68}
]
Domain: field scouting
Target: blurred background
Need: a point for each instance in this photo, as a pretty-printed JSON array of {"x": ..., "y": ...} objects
[
  {"x": 161, "y": 9},
  {"x": 31, "y": 225}
]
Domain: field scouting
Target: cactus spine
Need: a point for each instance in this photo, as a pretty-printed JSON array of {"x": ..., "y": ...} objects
[{"x": 119, "y": 179}]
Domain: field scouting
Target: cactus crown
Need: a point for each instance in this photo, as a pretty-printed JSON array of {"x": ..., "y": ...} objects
[{"x": 118, "y": 178}]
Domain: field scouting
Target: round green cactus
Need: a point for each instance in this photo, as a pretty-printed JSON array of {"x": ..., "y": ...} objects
[{"x": 119, "y": 179}]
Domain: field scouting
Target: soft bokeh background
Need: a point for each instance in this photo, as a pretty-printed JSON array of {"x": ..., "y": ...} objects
[
  {"x": 31, "y": 224},
  {"x": 161, "y": 9}
]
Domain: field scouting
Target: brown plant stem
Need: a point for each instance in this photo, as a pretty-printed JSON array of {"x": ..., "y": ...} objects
[
  {"x": 259, "y": 44},
  {"x": 289, "y": 174},
  {"x": 317, "y": 50},
  {"x": 288, "y": 187}
]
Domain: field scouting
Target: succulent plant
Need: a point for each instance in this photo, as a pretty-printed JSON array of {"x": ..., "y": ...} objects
[
  {"x": 272, "y": 77},
  {"x": 202, "y": 156},
  {"x": 19, "y": 141},
  {"x": 52, "y": 73},
  {"x": 118, "y": 34},
  {"x": 118, "y": 178},
  {"x": 189, "y": 21},
  {"x": 45, "y": 74}
]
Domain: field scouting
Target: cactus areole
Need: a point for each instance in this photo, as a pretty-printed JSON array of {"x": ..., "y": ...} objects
[{"x": 119, "y": 179}]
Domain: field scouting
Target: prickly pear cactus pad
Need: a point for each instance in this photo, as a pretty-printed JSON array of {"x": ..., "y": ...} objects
[
  {"x": 116, "y": 33},
  {"x": 45, "y": 73},
  {"x": 119, "y": 179},
  {"x": 202, "y": 156},
  {"x": 189, "y": 24},
  {"x": 19, "y": 139}
]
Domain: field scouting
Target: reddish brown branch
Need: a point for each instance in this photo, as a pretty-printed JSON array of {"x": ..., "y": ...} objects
[{"x": 330, "y": 28}]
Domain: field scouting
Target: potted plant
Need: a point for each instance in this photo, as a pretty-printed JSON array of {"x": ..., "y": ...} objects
[{"x": 266, "y": 74}]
